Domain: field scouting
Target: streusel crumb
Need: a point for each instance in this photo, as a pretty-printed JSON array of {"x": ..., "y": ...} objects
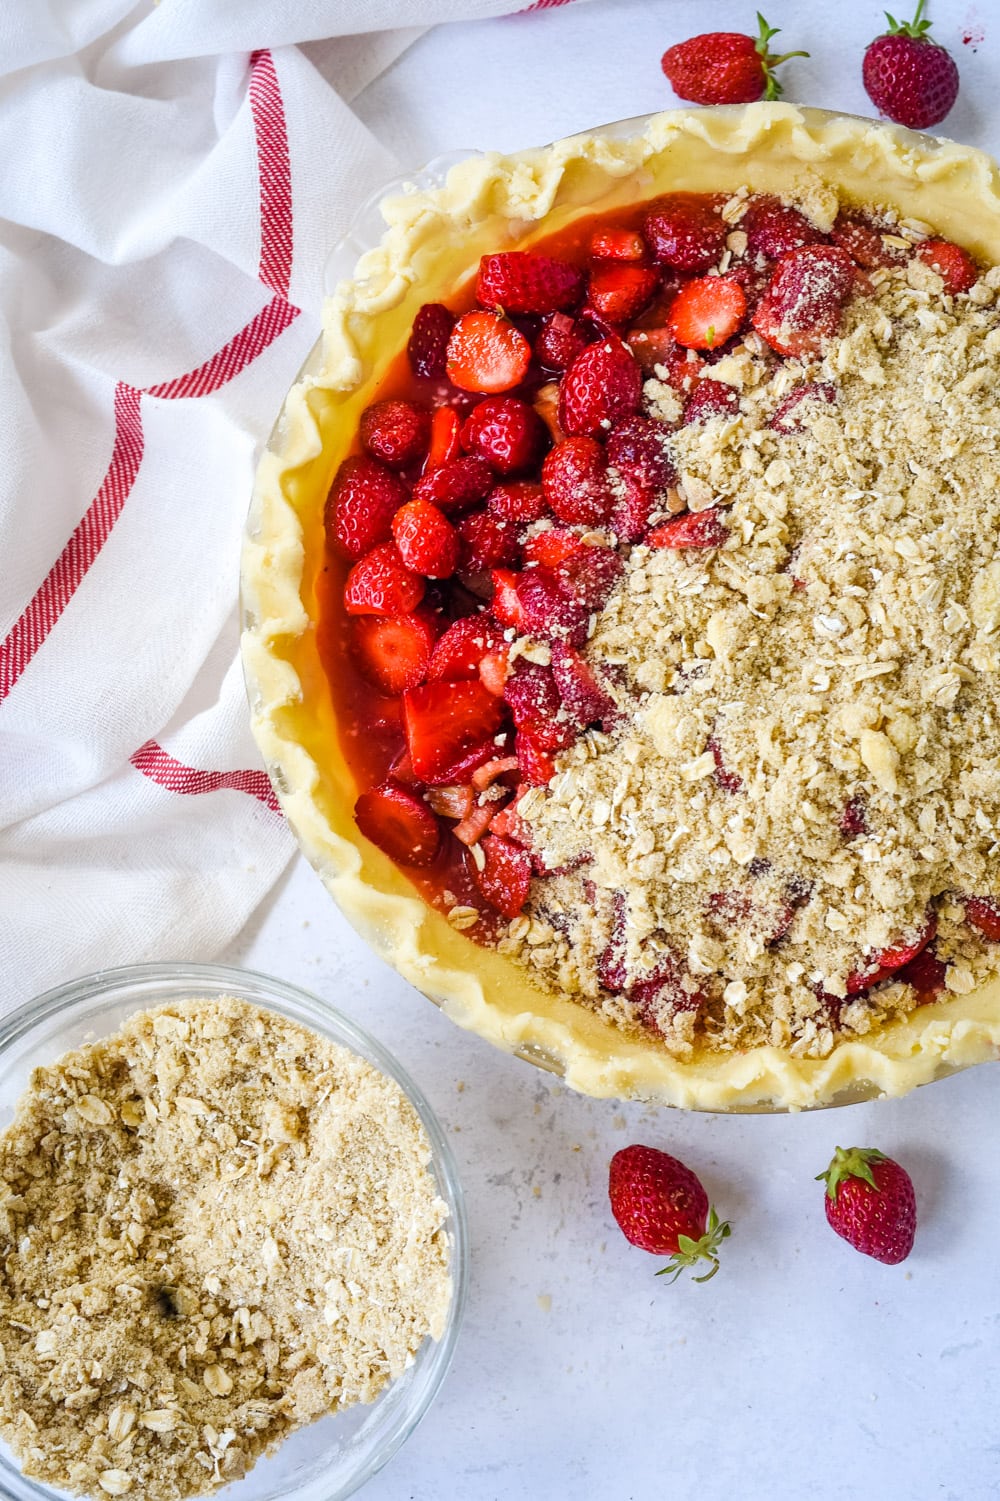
[
  {"x": 807, "y": 768},
  {"x": 215, "y": 1227}
]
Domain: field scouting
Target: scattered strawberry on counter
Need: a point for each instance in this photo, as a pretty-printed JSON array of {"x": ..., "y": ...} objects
[
  {"x": 726, "y": 67},
  {"x": 908, "y": 76},
  {"x": 661, "y": 1207},
  {"x": 870, "y": 1203}
]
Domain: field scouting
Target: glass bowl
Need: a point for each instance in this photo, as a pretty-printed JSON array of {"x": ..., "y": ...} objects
[{"x": 332, "y": 1457}]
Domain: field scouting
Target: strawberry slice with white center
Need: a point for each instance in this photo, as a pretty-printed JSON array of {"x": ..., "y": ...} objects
[
  {"x": 983, "y": 914},
  {"x": 399, "y": 823},
  {"x": 444, "y": 721},
  {"x": 707, "y": 312},
  {"x": 393, "y": 651},
  {"x": 487, "y": 353}
]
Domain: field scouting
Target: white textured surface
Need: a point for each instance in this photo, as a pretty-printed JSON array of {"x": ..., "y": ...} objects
[{"x": 802, "y": 1369}]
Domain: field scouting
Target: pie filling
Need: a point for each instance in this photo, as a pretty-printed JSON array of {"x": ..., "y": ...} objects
[{"x": 662, "y": 618}]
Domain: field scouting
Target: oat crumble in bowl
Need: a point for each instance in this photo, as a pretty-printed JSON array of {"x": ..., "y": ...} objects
[
  {"x": 225, "y": 1234},
  {"x": 659, "y": 603}
]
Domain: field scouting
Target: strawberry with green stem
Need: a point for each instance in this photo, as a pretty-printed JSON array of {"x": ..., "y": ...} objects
[
  {"x": 661, "y": 1206},
  {"x": 870, "y": 1203},
  {"x": 909, "y": 76},
  {"x": 726, "y": 67}
]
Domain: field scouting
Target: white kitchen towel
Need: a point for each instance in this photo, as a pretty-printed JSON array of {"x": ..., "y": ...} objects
[{"x": 175, "y": 175}]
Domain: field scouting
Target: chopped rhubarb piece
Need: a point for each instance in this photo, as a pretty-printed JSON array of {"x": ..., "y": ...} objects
[
  {"x": 451, "y": 802},
  {"x": 802, "y": 306},
  {"x": 546, "y": 404},
  {"x": 393, "y": 651},
  {"x": 457, "y": 484},
  {"x": 462, "y": 648},
  {"x": 444, "y": 441},
  {"x": 693, "y": 529},
  {"x": 603, "y": 385},
  {"x": 381, "y": 584},
  {"x": 427, "y": 541},
  {"x": 773, "y": 228},
  {"x": 446, "y": 720},
  {"x": 584, "y": 698},
  {"x": 983, "y": 914},
  {"x": 487, "y": 353},
  {"x": 707, "y": 312},
  {"x": 802, "y": 402},
  {"x": 507, "y": 433},
  {"x": 560, "y": 339},
  {"x": 484, "y": 776},
  {"x": 518, "y": 281},
  {"x": 926, "y": 973},
  {"x": 363, "y": 499},
  {"x": 474, "y": 825},
  {"x": 954, "y": 265},
  {"x": 399, "y": 823},
  {"x": 575, "y": 482},
  {"x": 614, "y": 244},
  {"x": 494, "y": 670},
  {"x": 887, "y": 961},
  {"x": 395, "y": 432},
  {"x": 618, "y": 292},
  {"x": 428, "y": 346},
  {"x": 685, "y": 231},
  {"x": 505, "y": 878}
]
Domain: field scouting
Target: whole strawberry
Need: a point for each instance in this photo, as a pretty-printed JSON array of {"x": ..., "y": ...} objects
[
  {"x": 725, "y": 67},
  {"x": 908, "y": 76},
  {"x": 661, "y": 1207},
  {"x": 870, "y": 1203}
]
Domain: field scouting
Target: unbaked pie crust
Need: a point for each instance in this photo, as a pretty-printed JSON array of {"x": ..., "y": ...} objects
[{"x": 433, "y": 241}]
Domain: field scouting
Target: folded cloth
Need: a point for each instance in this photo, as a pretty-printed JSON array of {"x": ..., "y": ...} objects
[{"x": 174, "y": 177}]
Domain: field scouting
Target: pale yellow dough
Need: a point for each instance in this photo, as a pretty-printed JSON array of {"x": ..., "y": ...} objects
[{"x": 433, "y": 241}]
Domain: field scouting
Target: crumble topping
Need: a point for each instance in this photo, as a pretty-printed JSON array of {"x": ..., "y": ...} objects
[
  {"x": 808, "y": 760},
  {"x": 215, "y": 1227}
]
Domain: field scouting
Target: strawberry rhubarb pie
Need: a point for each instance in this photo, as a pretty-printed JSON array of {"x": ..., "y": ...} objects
[{"x": 655, "y": 598}]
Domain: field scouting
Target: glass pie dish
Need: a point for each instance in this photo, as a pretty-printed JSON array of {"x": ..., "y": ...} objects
[
  {"x": 331, "y": 1458},
  {"x": 437, "y": 228}
]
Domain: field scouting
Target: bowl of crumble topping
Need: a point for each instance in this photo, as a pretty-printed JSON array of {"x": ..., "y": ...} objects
[
  {"x": 234, "y": 1242},
  {"x": 622, "y": 603}
]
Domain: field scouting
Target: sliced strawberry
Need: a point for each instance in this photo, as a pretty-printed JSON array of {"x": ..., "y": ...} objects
[
  {"x": 954, "y": 265},
  {"x": 640, "y": 449},
  {"x": 854, "y": 819},
  {"x": 547, "y": 610},
  {"x": 463, "y": 646},
  {"x": 509, "y": 824},
  {"x": 487, "y": 353},
  {"x": 729, "y": 781},
  {"x": 363, "y": 499},
  {"x": 658, "y": 353},
  {"x": 616, "y": 244},
  {"x": 401, "y": 769},
  {"x": 575, "y": 482},
  {"x": 603, "y": 385},
  {"x": 886, "y": 961},
  {"x": 456, "y": 485},
  {"x": 507, "y": 433},
  {"x": 752, "y": 279},
  {"x": 381, "y": 584},
  {"x": 399, "y": 823},
  {"x": 444, "y": 440},
  {"x": 738, "y": 909},
  {"x": 487, "y": 540},
  {"x": 532, "y": 695},
  {"x": 392, "y": 651},
  {"x": 983, "y": 914},
  {"x": 633, "y": 513},
  {"x": 537, "y": 764},
  {"x": 505, "y": 878},
  {"x": 427, "y": 349},
  {"x": 864, "y": 242},
  {"x": 793, "y": 411},
  {"x": 618, "y": 291},
  {"x": 711, "y": 398},
  {"x": 685, "y": 231},
  {"x": 664, "y": 989},
  {"x": 692, "y": 529},
  {"x": 560, "y": 339},
  {"x": 395, "y": 432},
  {"x": 427, "y": 541},
  {"x": 506, "y": 603},
  {"x": 589, "y": 575},
  {"x": 707, "y": 312},
  {"x": 446, "y": 720},
  {"x": 611, "y": 967},
  {"x": 550, "y": 547},
  {"x": 468, "y": 763},
  {"x": 582, "y": 695},
  {"x": 773, "y": 228},
  {"x": 802, "y": 306},
  {"x": 519, "y": 501},
  {"x": 521, "y": 282},
  {"x": 926, "y": 973}
]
